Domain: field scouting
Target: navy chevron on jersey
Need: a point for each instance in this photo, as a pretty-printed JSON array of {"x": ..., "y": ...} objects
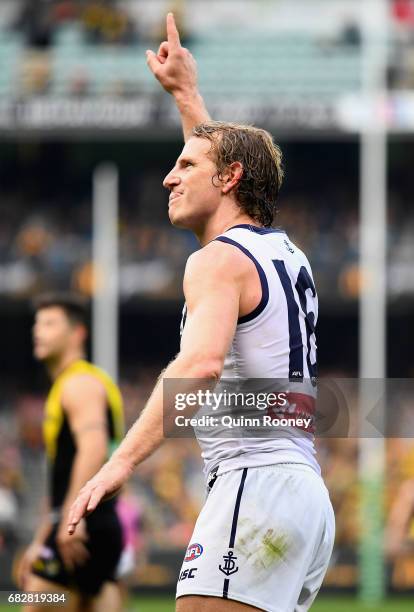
[{"x": 276, "y": 341}]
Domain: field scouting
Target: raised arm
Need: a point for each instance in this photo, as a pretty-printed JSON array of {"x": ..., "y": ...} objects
[{"x": 175, "y": 68}]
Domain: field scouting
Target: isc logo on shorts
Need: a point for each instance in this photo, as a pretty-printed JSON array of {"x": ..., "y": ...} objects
[
  {"x": 193, "y": 552},
  {"x": 187, "y": 573}
]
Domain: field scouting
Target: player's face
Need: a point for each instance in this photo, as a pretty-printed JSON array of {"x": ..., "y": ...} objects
[
  {"x": 194, "y": 195},
  {"x": 53, "y": 333}
]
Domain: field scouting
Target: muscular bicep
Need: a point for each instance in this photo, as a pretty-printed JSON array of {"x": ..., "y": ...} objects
[
  {"x": 212, "y": 287},
  {"x": 210, "y": 324}
]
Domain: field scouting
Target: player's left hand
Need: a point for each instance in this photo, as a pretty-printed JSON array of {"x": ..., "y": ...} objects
[
  {"x": 72, "y": 549},
  {"x": 25, "y": 563},
  {"x": 174, "y": 66},
  {"x": 103, "y": 485}
]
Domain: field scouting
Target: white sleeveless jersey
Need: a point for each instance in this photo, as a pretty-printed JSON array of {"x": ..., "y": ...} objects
[{"x": 275, "y": 341}]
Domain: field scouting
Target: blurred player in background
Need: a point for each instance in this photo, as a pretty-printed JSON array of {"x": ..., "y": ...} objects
[
  {"x": 264, "y": 537},
  {"x": 400, "y": 526},
  {"x": 130, "y": 516},
  {"x": 83, "y": 424}
]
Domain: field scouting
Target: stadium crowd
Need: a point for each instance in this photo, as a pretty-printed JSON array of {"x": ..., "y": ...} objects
[
  {"x": 100, "y": 22},
  {"x": 44, "y": 247},
  {"x": 80, "y": 28}
]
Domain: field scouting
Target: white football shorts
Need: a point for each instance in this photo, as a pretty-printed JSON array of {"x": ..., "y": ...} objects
[{"x": 264, "y": 537}]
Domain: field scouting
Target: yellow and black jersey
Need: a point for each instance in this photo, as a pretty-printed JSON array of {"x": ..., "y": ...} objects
[{"x": 59, "y": 440}]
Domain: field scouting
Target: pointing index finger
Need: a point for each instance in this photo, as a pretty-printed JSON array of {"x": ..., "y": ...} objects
[{"x": 172, "y": 32}]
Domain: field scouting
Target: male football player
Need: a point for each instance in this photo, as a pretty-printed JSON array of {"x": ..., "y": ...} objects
[
  {"x": 264, "y": 537},
  {"x": 83, "y": 423}
]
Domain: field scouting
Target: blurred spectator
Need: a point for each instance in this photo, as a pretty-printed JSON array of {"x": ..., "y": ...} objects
[
  {"x": 101, "y": 21},
  {"x": 178, "y": 7},
  {"x": 36, "y": 73},
  {"x": 134, "y": 553},
  {"x": 351, "y": 34},
  {"x": 8, "y": 501},
  {"x": 65, "y": 10},
  {"x": 35, "y": 21},
  {"x": 105, "y": 23},
  {"x": 80, "y": 83},
  {"x": 403, "y": 11}
]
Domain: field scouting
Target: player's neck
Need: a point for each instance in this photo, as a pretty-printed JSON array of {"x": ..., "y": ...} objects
[
  {"x": 218, "y": 225},
  {"x": 56, "y": 366}
]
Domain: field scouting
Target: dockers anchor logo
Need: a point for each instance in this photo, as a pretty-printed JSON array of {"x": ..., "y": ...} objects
[{"x": 229, "y": 566}]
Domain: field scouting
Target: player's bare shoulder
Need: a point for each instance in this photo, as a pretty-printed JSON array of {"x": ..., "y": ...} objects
[
  {"x": 217, "y": 261},
  {"x": 81, "y": 388}
]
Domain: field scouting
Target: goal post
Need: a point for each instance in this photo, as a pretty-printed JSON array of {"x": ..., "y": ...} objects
[{"x": 372, "y": 305}]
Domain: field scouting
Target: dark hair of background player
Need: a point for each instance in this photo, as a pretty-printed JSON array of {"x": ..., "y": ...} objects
[{"x": 73, "y": 305}]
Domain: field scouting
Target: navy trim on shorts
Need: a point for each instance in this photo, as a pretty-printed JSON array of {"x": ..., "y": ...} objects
[
  {"x": 234, "y": 526},
  {"x": 237, "y": 509},
  {"x": 263, "y": 281}
]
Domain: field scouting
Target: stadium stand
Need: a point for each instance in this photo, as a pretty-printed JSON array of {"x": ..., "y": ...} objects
[{"x": 291, "y": 63}]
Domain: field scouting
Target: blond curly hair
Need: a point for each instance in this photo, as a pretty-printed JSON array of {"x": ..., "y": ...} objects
[{"x": 261, "y": 159}]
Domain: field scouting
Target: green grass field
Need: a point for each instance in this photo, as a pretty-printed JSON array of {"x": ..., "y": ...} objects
[{"x": 324, "y": 604}]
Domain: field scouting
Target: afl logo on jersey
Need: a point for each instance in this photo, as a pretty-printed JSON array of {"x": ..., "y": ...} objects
[
  {"x": 193, "y": 552},
  {"x": 289, "y": 246}
]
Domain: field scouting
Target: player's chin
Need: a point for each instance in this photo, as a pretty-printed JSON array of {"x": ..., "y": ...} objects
[
  {"x": 177, "y": 219},
  {"x": 40, "y": 353}
]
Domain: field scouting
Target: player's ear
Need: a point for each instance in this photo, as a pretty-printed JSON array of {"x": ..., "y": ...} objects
[
  {"x": 82, "y": 333},
  {"x": 231, "y": 177}
]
